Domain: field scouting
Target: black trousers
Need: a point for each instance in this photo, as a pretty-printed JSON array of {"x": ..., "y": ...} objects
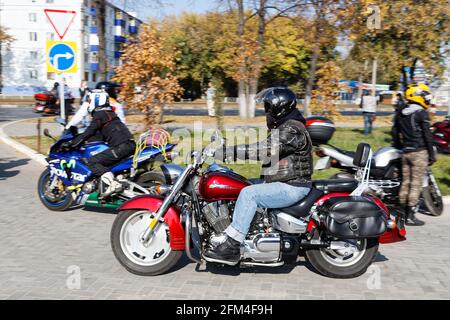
[{"x": 104, "y": 161}]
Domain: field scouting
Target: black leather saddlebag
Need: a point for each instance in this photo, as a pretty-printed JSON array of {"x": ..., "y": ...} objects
[{"x": 353, "y": 218}]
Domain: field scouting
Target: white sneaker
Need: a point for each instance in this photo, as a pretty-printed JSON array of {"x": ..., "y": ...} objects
[{"x": 113, "y": 185}]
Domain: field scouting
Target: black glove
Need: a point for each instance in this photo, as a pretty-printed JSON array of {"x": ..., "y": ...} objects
[{"x": 66, "y": 146}]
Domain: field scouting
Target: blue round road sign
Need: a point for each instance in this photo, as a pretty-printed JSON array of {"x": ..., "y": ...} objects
[{"x": 62, "y": 57}]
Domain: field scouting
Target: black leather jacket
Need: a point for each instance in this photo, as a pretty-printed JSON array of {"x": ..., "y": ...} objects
[
  {"x": 106, "y": 122},
  {"x": 411, "y": 130},
  {"x": 286, "y": 154}
]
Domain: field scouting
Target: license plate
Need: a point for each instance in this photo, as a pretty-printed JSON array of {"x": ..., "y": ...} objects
[{"x": 322, "y": 163}]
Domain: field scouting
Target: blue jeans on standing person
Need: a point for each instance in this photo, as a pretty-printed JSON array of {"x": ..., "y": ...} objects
[
  {"x": 368, "y": 120},
  {"x": 266, "y": 195}
]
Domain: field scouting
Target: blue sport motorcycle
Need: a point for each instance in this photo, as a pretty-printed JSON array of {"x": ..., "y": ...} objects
[{"x": 68, "y": 181}]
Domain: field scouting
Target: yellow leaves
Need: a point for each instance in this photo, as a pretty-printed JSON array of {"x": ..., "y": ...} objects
[
  {"x": 147, "y": 74},
  {"x": 324, "y": 97},
  {"x": 4, "y": 36}
]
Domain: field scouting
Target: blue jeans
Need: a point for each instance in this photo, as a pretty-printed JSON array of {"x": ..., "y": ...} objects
[
  {"x": 368, "y": 120},
  {"x": 266, "y": 195}
]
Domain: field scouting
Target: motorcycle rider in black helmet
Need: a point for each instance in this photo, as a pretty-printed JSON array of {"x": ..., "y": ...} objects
[{"x": 287, "y": 171}]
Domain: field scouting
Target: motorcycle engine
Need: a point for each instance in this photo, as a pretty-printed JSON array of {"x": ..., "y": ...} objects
[{"x": 218, "y": 215}]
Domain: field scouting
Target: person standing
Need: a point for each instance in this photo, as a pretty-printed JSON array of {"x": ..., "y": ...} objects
[
  {"x": 411, "y": 133},
  {"x": 210, "y": 96},
  {"x": 369, "y": 110},
  {"x": 84, "y": 90}
]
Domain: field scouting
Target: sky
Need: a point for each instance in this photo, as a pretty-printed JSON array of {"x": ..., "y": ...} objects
[{"x": 171, "y": 7}]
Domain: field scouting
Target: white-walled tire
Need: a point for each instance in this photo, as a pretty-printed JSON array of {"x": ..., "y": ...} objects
[{"x": 151, "y": 260}]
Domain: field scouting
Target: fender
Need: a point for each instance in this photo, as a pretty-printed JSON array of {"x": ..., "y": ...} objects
[{"x": 172, "y": 217}]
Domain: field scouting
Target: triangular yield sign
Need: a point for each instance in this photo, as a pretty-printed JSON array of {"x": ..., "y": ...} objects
[{"x": 60, "y": 20}]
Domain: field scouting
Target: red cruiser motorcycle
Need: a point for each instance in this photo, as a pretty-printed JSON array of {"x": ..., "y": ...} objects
[
  {"x": 339, "y": 225},
  {"x": 441, "y": 135}
]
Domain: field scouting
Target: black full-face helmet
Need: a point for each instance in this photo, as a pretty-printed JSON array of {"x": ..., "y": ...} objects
[
  {"x": 109, "y": 87},
  {"x": 278, "y": 101}
]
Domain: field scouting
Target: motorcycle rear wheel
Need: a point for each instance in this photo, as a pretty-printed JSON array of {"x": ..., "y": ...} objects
[
  {"x": 157, "y": 258},
  {"x": 58, "y": 204},
  {"x": 151, "y": 179},
  {"x": 335, "y": 264}
]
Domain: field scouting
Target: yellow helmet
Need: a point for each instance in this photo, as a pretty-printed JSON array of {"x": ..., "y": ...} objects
[{"x": 419, "y": 93}]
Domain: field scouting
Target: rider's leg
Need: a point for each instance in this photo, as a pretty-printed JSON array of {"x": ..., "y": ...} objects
[
  {"x": 101, "y": 163},
  {"x": 267, "y": 195}
]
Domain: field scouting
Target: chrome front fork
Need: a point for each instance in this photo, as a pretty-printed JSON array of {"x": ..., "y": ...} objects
[{"x": 166, "y": 203}]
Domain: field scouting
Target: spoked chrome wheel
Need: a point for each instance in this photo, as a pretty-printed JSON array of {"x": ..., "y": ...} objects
[
  {"x": 151, "y": 253},
  {"x": 349, "y": 253},
  {"x": 53, "y": 194},
  {"x": 152, "y": 258},
  {"x": 344, "y": 258}
]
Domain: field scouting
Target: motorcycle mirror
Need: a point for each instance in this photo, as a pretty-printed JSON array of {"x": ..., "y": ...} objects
[
  {"x": 47, "y": 134},
  {"x": 215, "y": 136}
]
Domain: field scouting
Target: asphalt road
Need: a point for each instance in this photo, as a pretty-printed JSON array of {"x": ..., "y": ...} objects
[
  {"x": 16, "y": 113},
  {"x": 67, "y": 255}
]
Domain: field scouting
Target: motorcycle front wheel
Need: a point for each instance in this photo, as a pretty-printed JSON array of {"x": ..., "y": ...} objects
[
  {"x": 432, "y": 197},
  {"x": 350, "y": 262},
  {"x": 57, "y": 199},
  {"x": 155, "y": 258}
]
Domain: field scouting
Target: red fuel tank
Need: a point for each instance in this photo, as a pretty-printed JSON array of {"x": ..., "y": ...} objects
[{"x": 216, "y": 186}]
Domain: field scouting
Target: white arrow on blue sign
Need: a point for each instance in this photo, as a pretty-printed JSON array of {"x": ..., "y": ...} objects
[{"x": 61, "y": 57}]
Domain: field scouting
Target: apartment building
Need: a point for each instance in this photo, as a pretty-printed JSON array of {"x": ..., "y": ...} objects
[{"x": 23, "y": 63}]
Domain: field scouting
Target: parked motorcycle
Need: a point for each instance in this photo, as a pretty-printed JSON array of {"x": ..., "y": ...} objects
[
  {"x": 385, "y": 172},
  {"x": 67, "y": 180},
  {"x": 441, "y": 135},
  {"x": 339, "y": 233}
]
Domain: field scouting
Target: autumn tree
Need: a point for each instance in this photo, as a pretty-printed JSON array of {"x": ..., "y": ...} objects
[
  {"x": 147, "y": 74},
  {"x": 324, "y": 96},
  {"x": 5, "y": 41},
  {"x": 409, "y": 31},
  {"x": 325, "y": 19},
  {"x": 100, "y": 23}
]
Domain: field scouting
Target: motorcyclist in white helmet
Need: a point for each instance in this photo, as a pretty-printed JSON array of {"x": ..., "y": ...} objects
[{"x": 82, "y": 112}]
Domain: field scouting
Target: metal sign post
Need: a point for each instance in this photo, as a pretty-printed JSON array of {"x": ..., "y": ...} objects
[
  {"x": 62, "y": 102},
  {"x": 61, "y": 56}
]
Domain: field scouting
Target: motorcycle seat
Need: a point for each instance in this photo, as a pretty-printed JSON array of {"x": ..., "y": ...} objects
[
  {"x": 302, "y": 208},
  {"x": 335, "y": 185}
]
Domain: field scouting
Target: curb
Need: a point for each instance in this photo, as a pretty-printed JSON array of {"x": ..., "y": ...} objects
[{"x": 40, "y": 158}]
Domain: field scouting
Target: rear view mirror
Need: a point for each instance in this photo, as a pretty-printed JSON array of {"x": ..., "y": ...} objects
[
  {"x": 47, "y": 134},
  {"x": 362, "y": 155}
]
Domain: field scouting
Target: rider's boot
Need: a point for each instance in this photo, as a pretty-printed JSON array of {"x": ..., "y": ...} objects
[
  {"x": 227, "y": 252},
  {"x": 113, "y": 185},
  {"x": 411, "y": 219}
]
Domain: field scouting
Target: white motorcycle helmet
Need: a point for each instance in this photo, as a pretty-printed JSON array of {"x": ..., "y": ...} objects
[{"x": 98, "y": 99}]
